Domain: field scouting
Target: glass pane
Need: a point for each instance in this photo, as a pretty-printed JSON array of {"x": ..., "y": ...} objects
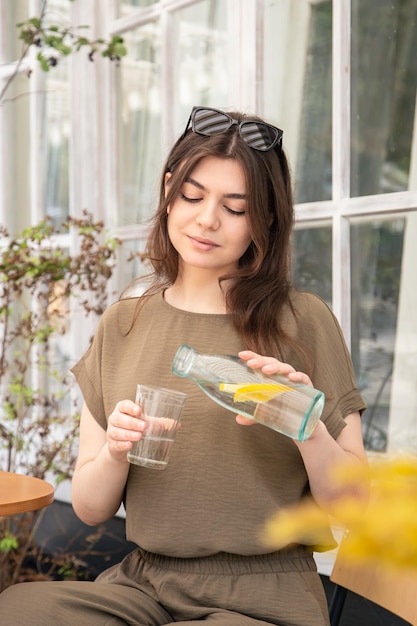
[
  {"x": 11, "y": 14},
  {"x": 198, "y": 35},
  {"x": 384, "y": 81},
  {"x": 56, "y": 131},
  {"x": 124, "y": 7},
  {"x": 35, "y": 108},
  {"x": 312, "y": 260},
  {"x": 15, "y": 171},
  {"x": 297, "y": 89},
  {"x": 14, "y": 123},
  {"x": 384, "y": 329},
  {"x": 55, "y": 125},
  {"x": 201, "y": 53},
  {"x": 141, "y": 142}
]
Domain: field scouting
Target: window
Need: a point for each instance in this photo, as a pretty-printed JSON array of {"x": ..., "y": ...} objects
[
  {"x": 383, "y": 100},
  {"x": 34, "y": 113},
  {"x": 339, "y": 77},
  {"x": 193, "y": 44}
]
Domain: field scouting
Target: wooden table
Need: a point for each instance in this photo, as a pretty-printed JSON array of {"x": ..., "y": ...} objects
[{"x": 20, "y": 494}]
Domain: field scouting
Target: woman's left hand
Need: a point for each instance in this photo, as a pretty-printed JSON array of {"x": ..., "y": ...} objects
[{"x": 269, "y": 366}]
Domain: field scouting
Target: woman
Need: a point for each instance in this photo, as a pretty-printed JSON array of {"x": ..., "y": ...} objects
[{"x": 220, "y": 249}]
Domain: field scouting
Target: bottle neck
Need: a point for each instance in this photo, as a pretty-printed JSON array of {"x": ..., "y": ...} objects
[
  {"x": 191, "y": 364},
  {"x": 183, "y": 361}
]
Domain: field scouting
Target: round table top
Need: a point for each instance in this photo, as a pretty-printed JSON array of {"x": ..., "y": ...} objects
[{"x": 20, "y": 494}]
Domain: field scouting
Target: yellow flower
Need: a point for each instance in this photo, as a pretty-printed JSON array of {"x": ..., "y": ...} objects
[
  {"x": 302, "y": 523},
  {"x": 386, "y": 530}
]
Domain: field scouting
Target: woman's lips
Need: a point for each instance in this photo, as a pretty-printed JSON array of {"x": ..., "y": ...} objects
[{"x": 203, "y": 244}]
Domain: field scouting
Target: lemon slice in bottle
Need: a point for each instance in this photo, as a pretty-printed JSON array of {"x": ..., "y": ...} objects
[{"x": 254, "y": 392}]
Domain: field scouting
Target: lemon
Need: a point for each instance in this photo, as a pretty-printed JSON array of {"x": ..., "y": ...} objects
[{"x": 254, "y": 392}]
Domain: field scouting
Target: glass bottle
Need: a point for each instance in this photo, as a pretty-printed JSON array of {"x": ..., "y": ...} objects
[{"x": 290, "y": 408}]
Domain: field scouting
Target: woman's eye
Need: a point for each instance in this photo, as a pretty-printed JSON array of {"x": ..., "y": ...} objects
[
  {"x": 188, "y": 199},
  {"x": 234, "y": 212}
]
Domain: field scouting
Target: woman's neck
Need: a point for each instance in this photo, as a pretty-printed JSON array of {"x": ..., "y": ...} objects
[{"x": 196, "y": 296}]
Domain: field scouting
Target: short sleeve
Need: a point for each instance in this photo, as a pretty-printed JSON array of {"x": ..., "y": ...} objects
[
  {"x": 317, "y": 332},
  {"x": 88, "y": 374}
]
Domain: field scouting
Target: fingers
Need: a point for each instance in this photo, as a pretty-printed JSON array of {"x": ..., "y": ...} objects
[
  {"x": 270, "y": 366},
  {"x": 125, "y": 426},
  {"x": 300, "y": 377},
  {"x": 244, "y": 421}
]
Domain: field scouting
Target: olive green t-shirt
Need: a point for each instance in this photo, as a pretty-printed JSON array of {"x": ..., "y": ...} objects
[{"x": 223, "y": 480}]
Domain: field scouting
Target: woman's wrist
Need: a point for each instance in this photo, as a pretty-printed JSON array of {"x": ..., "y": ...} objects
[{"x": 317, "y": 435}]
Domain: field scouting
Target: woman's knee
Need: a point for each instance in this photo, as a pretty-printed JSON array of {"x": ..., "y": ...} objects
[{"x": 23, "y": 601}]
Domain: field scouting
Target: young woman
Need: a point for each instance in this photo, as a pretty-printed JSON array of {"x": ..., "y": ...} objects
[{"x": 220, "y": 249}]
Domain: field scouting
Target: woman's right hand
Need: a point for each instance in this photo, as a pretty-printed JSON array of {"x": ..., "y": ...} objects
[
  {"x": 125, "y": 426},
  {"x": 102, "y": 467}
]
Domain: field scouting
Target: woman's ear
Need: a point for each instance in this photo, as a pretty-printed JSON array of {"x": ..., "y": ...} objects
[{"x": 166, "y": 181}]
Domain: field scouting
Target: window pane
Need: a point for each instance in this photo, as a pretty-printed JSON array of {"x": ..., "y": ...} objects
[
  {"x": 36, "y": 110},
  {"x": 312, "y": 260},
  {"x": 141, "y": 147},
  {"x": 384, "y": 334},
  {"x": 15, "y": 171},
  {"x": 384, "y": 81},
  {"x": 56, "y": 132},
  {"x": 14, "y": 105},
  {"x": 200, "y": 57},
  {"x": 198, "y": 35},
  {"x": 297, "y": 89},
  {"x": 125, "y": 6}
]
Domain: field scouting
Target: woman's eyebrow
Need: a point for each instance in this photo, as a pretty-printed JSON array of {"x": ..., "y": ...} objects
[{"x": 235, "y": 196}]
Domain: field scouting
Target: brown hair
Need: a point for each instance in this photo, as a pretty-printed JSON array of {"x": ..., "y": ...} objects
[{"x": 261, "y": 282}]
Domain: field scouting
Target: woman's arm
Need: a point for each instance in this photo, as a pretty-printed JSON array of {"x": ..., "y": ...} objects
[
  {"x": 320, "y": 452},
  {"x": 102, "y": 467}
]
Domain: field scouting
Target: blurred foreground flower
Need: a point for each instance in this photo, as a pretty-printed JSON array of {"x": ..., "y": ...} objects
[{"x": 386, "y": 530}]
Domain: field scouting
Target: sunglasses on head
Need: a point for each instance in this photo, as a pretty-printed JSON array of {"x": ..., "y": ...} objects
[{"x": 258, "y": 135}]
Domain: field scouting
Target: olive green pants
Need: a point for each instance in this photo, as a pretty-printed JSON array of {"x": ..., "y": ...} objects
[{"x": 151, "y": 590}]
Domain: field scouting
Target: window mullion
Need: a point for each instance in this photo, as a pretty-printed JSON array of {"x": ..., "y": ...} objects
[
  {"x": 341, "y": 163},
  {"x": 341, "y": 99},
  {"x": 243, "y": 57},
  {"x": 168, "y": 89},
  {"x": 37, "y": 147}
]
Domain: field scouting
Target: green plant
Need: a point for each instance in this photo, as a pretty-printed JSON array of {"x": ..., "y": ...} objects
[
  {"x": 42, "y": 284},
  {"x": 55, "y": 41}
]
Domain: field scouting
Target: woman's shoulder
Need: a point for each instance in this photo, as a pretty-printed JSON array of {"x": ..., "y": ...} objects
[
  {"x": 306, "y": 303},
  {"x": 123, "y": 306},
  {"x": 311, "y": 317},
  {"x": 122, "y": 312}
]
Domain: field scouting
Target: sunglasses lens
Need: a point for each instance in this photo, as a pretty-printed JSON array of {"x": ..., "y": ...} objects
[
  {"x": 258, "y": 135},
  {"x": 208, "y": 122}
]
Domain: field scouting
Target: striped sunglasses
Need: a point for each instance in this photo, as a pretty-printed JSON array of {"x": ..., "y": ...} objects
[{"x": 258, "y": 135}]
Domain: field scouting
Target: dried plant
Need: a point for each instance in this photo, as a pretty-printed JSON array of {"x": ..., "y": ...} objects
[{"x": 41, "y": 284}]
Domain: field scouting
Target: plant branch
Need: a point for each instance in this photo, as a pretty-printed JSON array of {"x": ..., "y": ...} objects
[{"x": 54, "y": 41}]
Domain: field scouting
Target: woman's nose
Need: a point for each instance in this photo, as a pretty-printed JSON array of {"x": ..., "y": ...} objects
[{"x": 208, "y": 215}]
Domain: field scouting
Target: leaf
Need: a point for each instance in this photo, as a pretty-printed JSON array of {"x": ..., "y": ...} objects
[
  {"x": 120, "y": 50},
  {"x": 36, "y": 22},
  {"x": 43, "y": 62},
  {"x": 8, "y": 543}
]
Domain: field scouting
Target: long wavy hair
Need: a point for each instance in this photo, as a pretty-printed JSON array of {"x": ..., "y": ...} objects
[{"x": 260, "y": 284}]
